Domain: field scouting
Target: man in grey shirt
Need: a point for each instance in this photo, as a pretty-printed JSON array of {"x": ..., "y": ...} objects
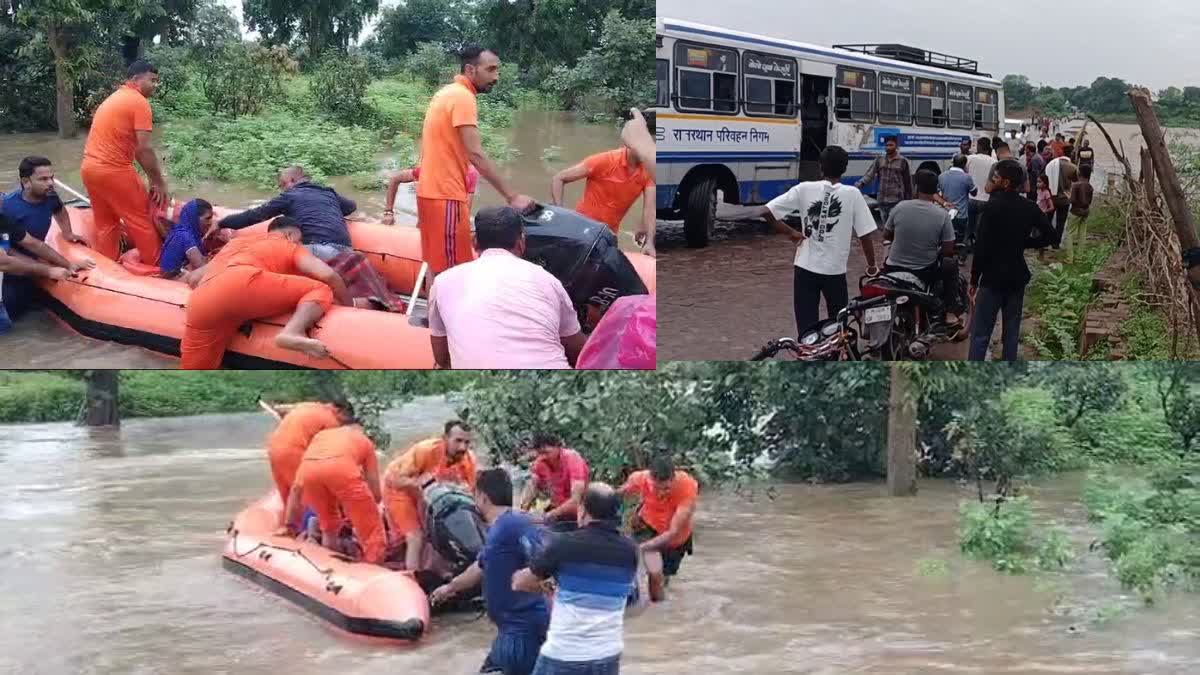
[{"x": 922, "y": 239}]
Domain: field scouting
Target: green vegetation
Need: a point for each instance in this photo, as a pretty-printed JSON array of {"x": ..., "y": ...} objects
[
  {"x": 1004, "y": 534},
  {"x": 1105, "y": 98},
  {"x": 1058, "y": 296}
]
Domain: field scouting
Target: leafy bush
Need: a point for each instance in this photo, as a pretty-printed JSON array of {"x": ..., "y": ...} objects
[
  {"x": 1058, "y": 296},
  {"x": 339, "y": 87},
  {"x": 254, "y": 149},
  {"x": 38, "y": 397},
  {"x": 243, "y": 78},
  {"x": 431, "y": 64},
  {"x": 1003, "y": 534},
  {"x": 614, "y": 75}
]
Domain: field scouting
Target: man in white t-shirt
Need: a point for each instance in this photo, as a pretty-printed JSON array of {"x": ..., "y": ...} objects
[
  {"x": 979, "y": 166},
  {"x": 831, "y": 212}
]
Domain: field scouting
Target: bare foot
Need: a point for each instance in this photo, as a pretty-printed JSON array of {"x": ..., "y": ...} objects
[{"x": 299, "y": 343}]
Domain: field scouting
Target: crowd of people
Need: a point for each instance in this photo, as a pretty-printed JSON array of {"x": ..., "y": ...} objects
[
  {"x": 573, "y": 549},
  {"x": 305, "y": 261},
  {"x": 989, "y": 205}
]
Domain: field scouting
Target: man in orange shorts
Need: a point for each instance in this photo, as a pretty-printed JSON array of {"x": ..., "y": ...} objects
[
  {"x": 254, "y": 277},
  {"x": 446, "y": 458},
  {"x": 120, "y": 133},
  {"x": 300, "y": 423},
  {"x": 340, "y": 474},
  {"x": 450, "y": 141},
  {"x": 615, "y": 179},
  {"x": 664, "y": 521}
]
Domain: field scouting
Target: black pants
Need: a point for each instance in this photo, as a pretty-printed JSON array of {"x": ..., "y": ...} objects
[
  {"x": 807, "y": 289},
  {"x": 1060, "y": 219},
  {"x": 975, "y": 209}
]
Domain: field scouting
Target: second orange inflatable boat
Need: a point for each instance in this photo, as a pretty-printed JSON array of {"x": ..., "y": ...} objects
[
  {"x": 358, "y": 598},
  {"x": 112, "y": 302}
]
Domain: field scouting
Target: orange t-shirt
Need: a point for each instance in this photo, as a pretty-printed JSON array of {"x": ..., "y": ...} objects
[
  {"x": 271, "y": 252},
  {"x": 429, "y": 456},
  {"x": 611, "y": 188},
  {"x": 443, "y": 155},
  {"x": 1057, "y": 147},
  {"x": 656, "y": 512},
  {"x": 347, "y": 441},
  {"x": 298, "y": 427},
  {"x": 113, "y": 138}
]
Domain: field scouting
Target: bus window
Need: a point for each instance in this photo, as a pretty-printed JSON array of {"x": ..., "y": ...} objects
[
  {"x": 855, "y": 95},
  {"x": 985, "y": 109},
  {"x": 931, "y": 103},
  {"x": 959, "y": 98},
  {"x": 895, "y": 98},
  {"x": 663, "y": 68},
  {"x": 706, "y": 78},
  {"x": 770, "y": 83}
]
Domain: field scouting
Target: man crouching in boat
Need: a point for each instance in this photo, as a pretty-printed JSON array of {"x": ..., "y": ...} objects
[
  {"x": 521, "y": 617},
  {"x": 301, "y": 422},
  {"x": 340, "y": 474},
  {"x": 664, "y": 521},
  {"x": 256, "y": 277},
  {"x": 446, "y": 458}
]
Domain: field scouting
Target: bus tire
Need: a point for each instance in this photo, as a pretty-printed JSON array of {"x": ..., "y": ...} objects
[{"x": 700, "y": 213}]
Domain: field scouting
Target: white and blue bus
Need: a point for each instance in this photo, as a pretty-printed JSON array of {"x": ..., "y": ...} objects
[{"x": 743, "y": 117}]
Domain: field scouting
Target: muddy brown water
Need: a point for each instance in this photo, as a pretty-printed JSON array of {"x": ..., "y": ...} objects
[
  {"x": 40, "y": 339},
  {"x": 110, "y": 563}
]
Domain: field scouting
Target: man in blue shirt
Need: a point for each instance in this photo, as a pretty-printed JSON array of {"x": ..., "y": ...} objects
[
  {"x": 595, "y": 568},
  {"x": 512, "y": 540},
  {"x": 957, "y": 186},
  {"x": 29, "y": 209}
]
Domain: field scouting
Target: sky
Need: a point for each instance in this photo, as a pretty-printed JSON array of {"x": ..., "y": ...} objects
[{"x": 1155, "y": 43}]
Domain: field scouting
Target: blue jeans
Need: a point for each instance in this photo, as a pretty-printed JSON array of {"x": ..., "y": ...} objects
[
  {"x": 5, "y": 322},
  {"x": 326, "y": 252},
  {"x": 988, "y": 303},
  {"x": 548, "y": 666},
  {"x": 513, "y": 653},
  {"x": 960, "y": 224}
]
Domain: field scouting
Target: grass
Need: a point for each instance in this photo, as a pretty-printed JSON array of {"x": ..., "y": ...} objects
[{"x": 1059, "y": 295}]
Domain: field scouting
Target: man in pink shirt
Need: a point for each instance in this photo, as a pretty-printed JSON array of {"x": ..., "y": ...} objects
[
  {"x": 500, "y": 311},
  {"x": 560, "y": 473}
]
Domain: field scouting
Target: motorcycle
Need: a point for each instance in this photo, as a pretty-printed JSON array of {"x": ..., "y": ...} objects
[{"x": 907, "y": 324}]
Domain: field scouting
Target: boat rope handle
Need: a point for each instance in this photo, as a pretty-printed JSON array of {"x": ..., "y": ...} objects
[
  {"x": 263, "y": 545},
  {"x": 132, "y": 295}
]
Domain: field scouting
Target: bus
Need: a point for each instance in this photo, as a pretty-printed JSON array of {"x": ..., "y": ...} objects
[{"x": 742, "y": 118}]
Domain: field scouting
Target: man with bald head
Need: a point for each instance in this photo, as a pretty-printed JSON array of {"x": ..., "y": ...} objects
[
  {"x": 320, "y": 210},
  {"x": 595, "y": 568}
]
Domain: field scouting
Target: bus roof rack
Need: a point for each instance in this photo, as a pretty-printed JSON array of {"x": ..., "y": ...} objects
[{"x": 916, "y": 55}]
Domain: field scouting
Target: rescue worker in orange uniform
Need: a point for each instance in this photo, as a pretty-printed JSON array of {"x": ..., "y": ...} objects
[
  {"x": 287, "y": 443},
  {"x": 615, "y": 179},
  {"x": 446, "y": 458},
  {"x": 120, "y": 133},
  {"x": 450, "y": 141},
  {"x": 254, "y": 277},
  {"x": 340, "y": 474},
  {"x": 664, "y": 521}
]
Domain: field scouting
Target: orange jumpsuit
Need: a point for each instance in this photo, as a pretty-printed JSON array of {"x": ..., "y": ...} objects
[
  {"x": 611, "y": 188},
  {"x": 286, "y": 445},
  {"x": 116, "y": 191},
  {"x": 253, "y": 277},
  {"x": 331, "y": 475},
  {"x": 428, "y": 456},
  {"x": 443, "y": 206}
]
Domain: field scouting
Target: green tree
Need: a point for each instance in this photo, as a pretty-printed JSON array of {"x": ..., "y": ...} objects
[
  {"x": 339, "y": 86},
  {"x": 1084, "y": 388},
  {"x": 615, "y": 74},
  {"x": 1018, "y": 92},
  {"x": 215, "y": 26},
  {"x": 317, "y": 24},
  {"x": 447, "y": 23},
  {"x": 241, "y": 78},
  {"x": 1178, "y": 385}
]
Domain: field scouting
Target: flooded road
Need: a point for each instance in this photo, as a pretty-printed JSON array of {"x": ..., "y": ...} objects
[
  {"x": 110, "y": 563},
  {"x": 532, "y": 134}
]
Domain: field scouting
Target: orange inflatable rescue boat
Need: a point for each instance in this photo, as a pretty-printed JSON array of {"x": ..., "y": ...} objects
[
  {"x": 358, "y": 598},
  {"x": 121, "y": 301}
]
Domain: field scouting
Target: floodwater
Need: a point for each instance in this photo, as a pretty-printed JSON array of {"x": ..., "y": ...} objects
[
  {"x": 40, "y": 339},
  {"x": 110, "y": 563}
]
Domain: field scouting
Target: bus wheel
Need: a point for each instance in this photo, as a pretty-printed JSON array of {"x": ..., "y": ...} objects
[{"x": 700, "y": 213}]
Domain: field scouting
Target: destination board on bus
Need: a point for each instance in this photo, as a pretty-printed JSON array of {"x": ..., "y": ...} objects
[
  {"x": 896, "y": 84},
  {"x": 960, "y": 92},
  {"x": 769, "y": 66}
]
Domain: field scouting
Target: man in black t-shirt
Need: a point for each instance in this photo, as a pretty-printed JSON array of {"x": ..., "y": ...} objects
[{"x": 46, "y": 262}]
